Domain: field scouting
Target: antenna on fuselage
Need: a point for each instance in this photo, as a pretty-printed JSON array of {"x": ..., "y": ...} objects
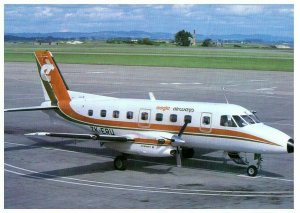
[{"x": 225, "y": 95}]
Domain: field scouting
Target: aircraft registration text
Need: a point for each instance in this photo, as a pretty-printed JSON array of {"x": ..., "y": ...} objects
[{"x": 104, "y": 131}]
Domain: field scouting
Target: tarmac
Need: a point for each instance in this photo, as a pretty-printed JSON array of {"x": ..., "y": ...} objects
[{"x": 62, "y": 173}]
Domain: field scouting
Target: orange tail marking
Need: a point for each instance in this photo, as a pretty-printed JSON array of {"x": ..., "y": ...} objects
[{"x": 55, "y": 78}]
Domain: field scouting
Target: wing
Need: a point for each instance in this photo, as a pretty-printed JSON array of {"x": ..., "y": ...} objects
[
  {"x": 151, "y": 136},
  {"x": 102, "y": 138},
  {"x": 30, "y": 108}
]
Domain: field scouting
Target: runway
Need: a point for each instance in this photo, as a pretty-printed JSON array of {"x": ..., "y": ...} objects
[{"x": 56, "y": 173}]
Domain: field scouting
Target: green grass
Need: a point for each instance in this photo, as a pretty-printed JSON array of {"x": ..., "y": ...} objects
[{"x": 166, "y": 56}]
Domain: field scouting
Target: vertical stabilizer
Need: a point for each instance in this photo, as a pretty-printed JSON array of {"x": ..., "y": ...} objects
[{"x": 53, "y": 82}]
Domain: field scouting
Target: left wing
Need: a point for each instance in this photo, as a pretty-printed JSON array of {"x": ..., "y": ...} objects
[
  {"x": 102, "y": 138},
  {"x": 35, "y": 108}
]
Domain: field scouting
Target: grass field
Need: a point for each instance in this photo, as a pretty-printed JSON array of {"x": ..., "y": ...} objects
[{"x": 162, "y": 56}]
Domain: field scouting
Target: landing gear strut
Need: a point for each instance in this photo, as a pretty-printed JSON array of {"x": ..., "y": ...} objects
[
  {"x": 252, "y": 170},
  {"x": 120, "y": 162}
]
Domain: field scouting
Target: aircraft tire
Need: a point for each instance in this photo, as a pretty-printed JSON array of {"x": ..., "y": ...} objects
[
  {"x": 120, "y": 163},
  {"x": 252, "y": 171},
  {"x": 188, "y": 152}
]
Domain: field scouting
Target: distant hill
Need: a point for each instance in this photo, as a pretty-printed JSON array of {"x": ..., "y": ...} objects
[{"x": 104, "y": 35}]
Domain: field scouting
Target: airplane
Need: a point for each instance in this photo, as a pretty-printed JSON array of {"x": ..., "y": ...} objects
[{"x": 156, "y": 128}]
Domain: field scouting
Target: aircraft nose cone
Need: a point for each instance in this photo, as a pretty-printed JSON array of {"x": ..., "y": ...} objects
[{"x": 290, "y": 146}]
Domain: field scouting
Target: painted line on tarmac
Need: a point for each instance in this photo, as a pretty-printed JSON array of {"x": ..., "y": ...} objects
[
  {"x": 266, "y": 89},
  {"x": 282, "y": 124},
  {"x": 147, "y": 189},
  {"x": 178, "y": 83},
  {"x": 265, "y": 177},
  {"x": 163, "y": 164},
  {"x": 257, "y": 80}
]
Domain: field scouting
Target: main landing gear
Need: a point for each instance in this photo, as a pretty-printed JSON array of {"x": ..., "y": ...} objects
[{"x": 120, "y": 162}]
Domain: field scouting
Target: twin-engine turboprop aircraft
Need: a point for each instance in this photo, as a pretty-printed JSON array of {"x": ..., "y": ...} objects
[{"x": 156, "y": 128}]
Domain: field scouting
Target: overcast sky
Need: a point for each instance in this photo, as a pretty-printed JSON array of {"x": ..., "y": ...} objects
[{"x": 206, "y": 19}]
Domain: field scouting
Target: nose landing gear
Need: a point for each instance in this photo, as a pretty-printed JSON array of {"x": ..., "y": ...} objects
[
  {"x": 254, "y": 164},
  {"x": 252, "y": 170}
]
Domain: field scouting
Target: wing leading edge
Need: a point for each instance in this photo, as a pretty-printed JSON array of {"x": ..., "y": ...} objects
[
  {"x": 102, "y": 138},
  {"x": 35, "y": 108}
]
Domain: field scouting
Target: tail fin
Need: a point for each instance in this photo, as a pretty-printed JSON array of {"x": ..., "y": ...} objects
[{"x": 52, "y": 80}]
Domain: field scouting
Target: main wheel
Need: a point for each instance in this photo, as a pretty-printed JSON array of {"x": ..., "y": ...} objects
[
  {"x": 252, "y": 171},
  {"x": 120, "y": 163},
  {"x": 187, "y": 152}
]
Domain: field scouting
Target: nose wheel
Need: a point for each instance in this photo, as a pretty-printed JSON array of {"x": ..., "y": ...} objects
[{"x": 252, "y": 170}]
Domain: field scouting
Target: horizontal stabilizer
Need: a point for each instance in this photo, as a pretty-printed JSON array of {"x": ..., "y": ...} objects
[
  {"x": 102, "y": 138},
  {"x": 35, "y": 108}
]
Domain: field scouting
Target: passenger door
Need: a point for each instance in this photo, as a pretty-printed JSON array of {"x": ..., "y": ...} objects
[
  {"x": 144, "y": 118},
  {"x": 205, "y": 122}
]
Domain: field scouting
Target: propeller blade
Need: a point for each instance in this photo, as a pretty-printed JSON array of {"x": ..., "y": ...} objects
[
  {"x": 178, "y": 156},
  {"x": 182, "y": 128}
]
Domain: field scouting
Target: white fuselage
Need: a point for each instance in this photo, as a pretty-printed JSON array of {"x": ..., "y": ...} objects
[{"x": 164, "y": 118}]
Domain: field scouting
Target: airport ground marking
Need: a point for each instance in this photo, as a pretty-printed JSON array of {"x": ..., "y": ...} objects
[
  {"x": 154, "y": 189},
  {"x": 144, "y": 161},
  {"x": 265, "y": 177}
]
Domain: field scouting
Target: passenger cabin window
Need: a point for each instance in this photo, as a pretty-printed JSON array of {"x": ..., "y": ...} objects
[
  {"x": 159, "y": 116},
  {"x": 187, "y": 119},
  {"x": 103, "y": 113},
  {"x": 173, "y": 118},
  {"x": 226, "y": 120},
  {"x": 116, "y": 114},
  {"x": 144, "y": 116},
  {"x": 206, "y": 120},
  {"x": 240, "y": 122},
  {"x": 90, "y": 112},
  {"x": 129, "y": 115}
]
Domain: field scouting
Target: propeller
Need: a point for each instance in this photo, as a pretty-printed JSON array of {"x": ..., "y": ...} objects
[{"x": 177, "y": 142}]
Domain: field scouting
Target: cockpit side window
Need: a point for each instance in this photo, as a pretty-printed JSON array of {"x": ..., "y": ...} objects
[
  {"x": 240, "y": 122},
  {"x": 226, "y": 120},
  {"x": 248, "y": 119},
  {"x": 255, "y": 118}
]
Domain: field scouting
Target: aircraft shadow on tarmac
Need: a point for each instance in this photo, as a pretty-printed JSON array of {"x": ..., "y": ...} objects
[{"x": 135, "y": 163}]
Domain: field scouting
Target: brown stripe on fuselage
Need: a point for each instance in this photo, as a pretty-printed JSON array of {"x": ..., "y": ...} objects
[
  {"x": 63, "y": 98},
  {"x": 67, "y": 110}
]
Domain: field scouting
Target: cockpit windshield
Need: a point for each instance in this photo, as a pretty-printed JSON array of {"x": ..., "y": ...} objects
[
  {"x": 255, "y": 118},
  {"x": 248, "y": 119},
  {"x": 240, "y": 122}
]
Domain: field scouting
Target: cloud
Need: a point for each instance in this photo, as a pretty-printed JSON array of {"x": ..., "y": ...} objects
[
  {"x": 288, "y": 11},
  {"x": 205, "y": 18},
  {"x": 240, "y": 10},
  {"x": 183, "y": 9}
]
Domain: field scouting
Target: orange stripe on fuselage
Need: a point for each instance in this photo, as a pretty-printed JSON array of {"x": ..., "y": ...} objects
[
  {"x": 67, "y": 110},
  {"x": 63, "y": 98}
]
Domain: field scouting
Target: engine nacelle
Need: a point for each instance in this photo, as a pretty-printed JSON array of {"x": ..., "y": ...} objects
[{"x": 143, "y": 149}]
